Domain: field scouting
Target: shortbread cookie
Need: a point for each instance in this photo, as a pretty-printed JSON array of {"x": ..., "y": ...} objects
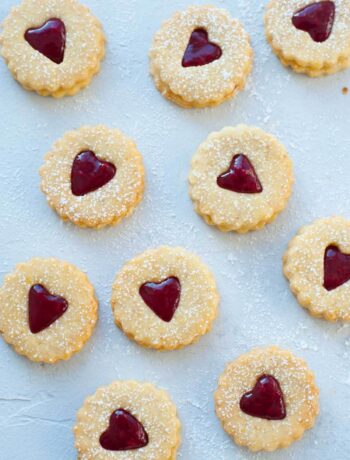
[
  {"x": 93, "y": 176},
  {"x": 241, "y": 179},
  {"x": 266, "y": 399},
  {"x": 127, "y": 421},
  {"x": 200, "y": 57},
  {"x": 311, "y": 37},
  {"x": 53, "y": 47},
  {"x": 165, "y": 298},
  {"x": 317, "y": 265},
  {"x": 48, "y": 310}
]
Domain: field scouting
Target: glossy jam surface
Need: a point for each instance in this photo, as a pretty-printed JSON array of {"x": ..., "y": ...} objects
[
  {"x": 265, "y": 400},
  {"x": 89, "y": 173},
  {"x": 317, "y": 19},
  {"x": 44, "y": 308},
  {"x": 240, "y": 176},
  {"x": 200, "y": 51},
  {"x": 162, "y": 298},
  {"x": 125, "y": 432},
  {"x": 49, "y": 39},
  {"x": 336, "y": 268}
]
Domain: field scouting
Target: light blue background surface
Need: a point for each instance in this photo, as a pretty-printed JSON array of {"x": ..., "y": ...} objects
[{"x": 311, "y": 117}]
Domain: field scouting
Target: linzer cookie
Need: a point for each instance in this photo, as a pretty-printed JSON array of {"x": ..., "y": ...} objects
[
  {"x": 127, "y": 420},
  {"x": 266, "y": 399},
  {"x": 311, "y": 37},
  {"x": 241, "y": 179},
  {"x": 53, "y": 47},
  {"x": 48, "y": 310},
  {"x": 200, "y": 57},
  {"x": 317, "y": 265},
  {"x": 165, "y": 298},
  {"x": 93, "y": 176}
]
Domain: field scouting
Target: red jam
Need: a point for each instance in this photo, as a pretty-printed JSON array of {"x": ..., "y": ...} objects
[
  {"x": 265, "y": 400},
  {"x": 44, "y": 308},
  {"x": 125, "y": 432},
  {"x": 317, "y": 19},
  {"x": 89, "y": 173},
  {"x": 162, "y": 298},
  {"x": 49, "y": 39},
  {"x": 336, "y": 268},
  {"x": 200, "y": 51},
  {"x": 240, "y": 176}
]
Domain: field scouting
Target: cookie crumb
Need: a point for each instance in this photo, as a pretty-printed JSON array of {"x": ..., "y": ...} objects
[{"x": 345, "y": 90}]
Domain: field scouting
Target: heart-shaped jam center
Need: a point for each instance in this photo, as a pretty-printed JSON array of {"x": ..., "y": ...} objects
[
  {"x": 265, "y": 400},
  {"x": 317, "y": 19},
  {"x": 240, "y": 176},
  {"x": 49, "y": 39},
  {"x": 44, "y": 308},
  {"x": 125, "y": 432},
  {"x": 89, "y": 173},
  {"x": 200, "y": 51},
  {"x": 162, "y": 298},
  {"x": 336, "y": 268}
]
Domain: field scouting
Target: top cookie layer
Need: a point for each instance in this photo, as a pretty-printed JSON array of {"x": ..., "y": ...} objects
[
  {"x": 72, "y": 326},
  {"x": 296, "y": 384},
  {"x": 297, "y": 48},
  {"x": 84, "y": 47},
  {"x": 109, "y": 203},
  {"x": 269, "y": 164},
  {"x": 165, "y": 298},
  {"x": 151, "y": 407},
  {"x": 202, "y": 85},
  {"x": 305, "y": 267}
]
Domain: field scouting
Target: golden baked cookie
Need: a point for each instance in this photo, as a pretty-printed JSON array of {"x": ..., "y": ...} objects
[
  {"x": 241, "y": 178},
  {"x": 127, "y": 420},
  {"x": 311, "y": 37},
  {"x": 317, "y": 265},
  {"x": 200, "y": 57},
  {"x": 48, "y": 310},
  {"x": 165, "y": 298},
  {"x": 93, "y": 176},
  {"x": 53, "y": 47},
  {"x": 266, "y": 399}
]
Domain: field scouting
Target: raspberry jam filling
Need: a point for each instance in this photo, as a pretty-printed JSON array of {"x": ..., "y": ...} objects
[
  {"x": 336, "y": 268},
  {"x": 89, "y": 173},
  {"x": 240, "y": 176},
  {"x": 162, "y": 298},
  {"x": 200, "y": 51},
  {"x": 125, "y": 432},
  {"x": 265, "y": 400},
  {"x": 44, "y": 308},
  {"x": 317, "y": 19},
  {"x": 49, "y": 39}
]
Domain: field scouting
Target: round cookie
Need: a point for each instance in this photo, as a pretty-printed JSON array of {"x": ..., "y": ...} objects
[
  {"x": 200, "y": 57},
  {"x": 311, "y": 37},
  {"x": 241, "y": 178},
  {"x": 317, "y": 265},
  {"x": 93, "y": 176},
  {"x": 266, "y": 399},
  {"x": 128, "y": 421},
  {"x": 165, "y": 298},
  {"x": 48, "y": 310},
  {"x": 53, "y": 47}
]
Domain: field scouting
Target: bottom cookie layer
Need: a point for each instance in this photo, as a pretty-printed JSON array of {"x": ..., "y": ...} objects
[
  {"x": 243, "y": 229},
  {"x": 62, "y": 92},
  {"x": 312, "y": 71},
  {"x": 177, "y": 99}
]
